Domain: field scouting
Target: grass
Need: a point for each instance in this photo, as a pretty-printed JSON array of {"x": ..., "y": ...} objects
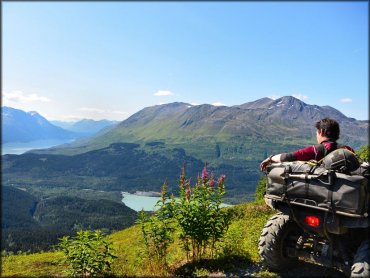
[
  {"x": 33, "y": 265},
  {"x": 238, "y": 250}
]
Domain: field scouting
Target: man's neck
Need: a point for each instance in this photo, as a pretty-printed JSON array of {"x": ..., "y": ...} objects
[{"x": 327, "y": 140}]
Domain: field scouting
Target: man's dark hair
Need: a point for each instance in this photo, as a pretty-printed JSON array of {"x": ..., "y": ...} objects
[{"x": 330, "y": 128}]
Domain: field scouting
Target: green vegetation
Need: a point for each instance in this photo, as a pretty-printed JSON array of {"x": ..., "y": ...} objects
[
  {"x": 202, "y": 222},
  {"x": 196, "y": 214},
  {"x": 30, "y": 224},
  {"x": 237, "y": 250},
  {"x": 260, "y": 189},
  {"x": 87, "y": 254},
  {"x": 17, "y": 208},
  {"x": 130, "y": 167},
  {"x": 74, "y": 213},
  {"x": 364, "y": 153},
  {"x": 48, "y": 264},
  {"x": 233, "y": 248},
  {"x": 158, "y": 229}
]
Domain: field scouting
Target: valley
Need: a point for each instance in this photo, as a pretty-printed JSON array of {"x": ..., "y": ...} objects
[{"x": 83, "y": 179}]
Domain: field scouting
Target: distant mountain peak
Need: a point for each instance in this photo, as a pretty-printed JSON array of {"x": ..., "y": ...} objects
[
  {"x": 288, "y": 101},
  {"x": 176, "y": 104},
  {"x": 21, "y": 126},
  {"x": 269, "y": 103},
  {"x": 257, "y": 104},
  {"x": 86, "y": 127}
]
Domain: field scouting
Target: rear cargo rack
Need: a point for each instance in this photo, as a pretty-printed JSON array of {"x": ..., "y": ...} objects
[{"x": 312, "y": 204}]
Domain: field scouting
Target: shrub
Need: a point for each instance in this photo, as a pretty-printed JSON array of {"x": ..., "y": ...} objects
[
  {"x": 198, "y": 212},
  {"x": 87, "y": 254},
  {"x": 260, "y": 189},
  {"x": 364, "y": 153},
  {"x": 158, "y": 229}
]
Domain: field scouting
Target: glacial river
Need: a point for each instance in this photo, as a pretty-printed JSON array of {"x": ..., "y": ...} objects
[{"x": 20, "y": 148}]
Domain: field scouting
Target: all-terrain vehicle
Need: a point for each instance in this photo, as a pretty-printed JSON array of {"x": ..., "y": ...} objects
[{"x": 322, "y": 214}]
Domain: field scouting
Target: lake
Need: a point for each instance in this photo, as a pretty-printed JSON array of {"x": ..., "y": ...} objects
[
  {"x": 20, "y": 148},
  {"x": 139, "y": 202}
]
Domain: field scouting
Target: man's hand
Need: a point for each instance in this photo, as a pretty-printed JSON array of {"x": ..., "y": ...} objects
[{"x": 264, "y": 163}]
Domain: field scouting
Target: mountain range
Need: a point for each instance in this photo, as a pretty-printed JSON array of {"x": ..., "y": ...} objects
[
  {"x": 20, "y": 126},
  {"x": 265, "y": 121},
  {"x": 86, "y": 127}
]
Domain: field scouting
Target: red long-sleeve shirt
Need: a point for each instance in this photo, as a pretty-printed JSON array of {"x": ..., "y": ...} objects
[{"x": 314, "y": 152}]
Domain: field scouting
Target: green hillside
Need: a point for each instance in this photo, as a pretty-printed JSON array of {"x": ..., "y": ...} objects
[
  {"x": 31, "y": 223},
  {"x": 123, "y": 167},
  {"x": 238, "y": 250},
  {"x": 95, "y": 214},
  {"x": 17, "y": 208},
  {"x": 237, "y": 255}
]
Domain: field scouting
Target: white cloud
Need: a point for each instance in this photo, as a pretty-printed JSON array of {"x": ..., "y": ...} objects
[
  {"x": 218, "y": 104},
  {"x": 120, "y": 113},
  {"x": 90, "y": 109},
  {"x": 36, "y": 97},
  {"x": 20, "y": 97},
  {"x": 300, "y": 96},
  {"x": 98, "y": 114},
  {"x": 345, "y": 100},
  {"x": 162, "y": 93}
]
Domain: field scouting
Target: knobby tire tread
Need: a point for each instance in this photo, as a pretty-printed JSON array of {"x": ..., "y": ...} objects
[{"x": 271, "y": 242}]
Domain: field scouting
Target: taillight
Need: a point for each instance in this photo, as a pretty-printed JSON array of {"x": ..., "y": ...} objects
[{"x": 312, "y": 221}]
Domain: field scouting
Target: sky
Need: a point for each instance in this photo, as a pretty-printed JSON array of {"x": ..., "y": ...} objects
[{"x": 108, "y": 60}]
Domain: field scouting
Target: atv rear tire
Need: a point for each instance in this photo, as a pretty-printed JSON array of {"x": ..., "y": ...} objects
[
  {"x": 361, "y": 261},
  {"x": 275, "y": 237}
]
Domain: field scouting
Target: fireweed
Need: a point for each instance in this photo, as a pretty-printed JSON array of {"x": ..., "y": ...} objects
[{"x": 198, "y": 213}]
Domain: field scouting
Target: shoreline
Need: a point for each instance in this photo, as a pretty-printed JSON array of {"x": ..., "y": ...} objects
[{"x": 143, "y": 193}]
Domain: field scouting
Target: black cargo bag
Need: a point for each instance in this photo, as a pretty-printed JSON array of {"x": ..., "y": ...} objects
[{"x": 314, "y": 186}]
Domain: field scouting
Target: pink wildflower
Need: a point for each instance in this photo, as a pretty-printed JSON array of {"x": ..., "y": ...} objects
[
  {"x": 187, "y": 194},
  {"x": 221, "y": 181},
  {"x": 212, "y": 182},
  {"x": 182, "y": 179},
  {"x": 205, "y": 173}
]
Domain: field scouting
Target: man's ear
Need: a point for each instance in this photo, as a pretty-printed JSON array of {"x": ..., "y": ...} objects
[{"x": 321, "y": 132}]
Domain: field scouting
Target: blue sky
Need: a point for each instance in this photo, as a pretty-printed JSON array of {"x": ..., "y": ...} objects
[{"x": 108, "y": 60}]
